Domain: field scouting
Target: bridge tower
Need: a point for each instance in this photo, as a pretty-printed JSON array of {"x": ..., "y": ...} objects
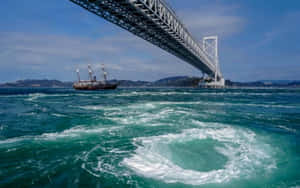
[{"x": 210, "y": 47}]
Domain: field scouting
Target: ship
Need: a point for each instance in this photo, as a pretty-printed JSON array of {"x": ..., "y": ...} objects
[{"x": 93, "y": 84}]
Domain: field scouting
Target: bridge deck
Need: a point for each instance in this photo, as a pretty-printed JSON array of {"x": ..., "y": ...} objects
[{"x": 155, "y": 22}]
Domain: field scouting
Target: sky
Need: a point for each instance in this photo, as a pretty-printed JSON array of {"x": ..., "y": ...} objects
[{"x": 49, "y": 39}]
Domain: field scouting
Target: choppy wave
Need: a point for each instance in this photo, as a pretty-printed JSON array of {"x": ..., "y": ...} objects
[
  {"x": 58, "y": 115},
  {"x": 227, "y": 104},
  {"x": 244, "y": 152},
  {"x": 73, "y": 132},
  {"x": 91, "y": 107},
  {"x": 36, "y": 96},
  {"x": 287, "y": 128},
  {"x": 201, "y": 93}
]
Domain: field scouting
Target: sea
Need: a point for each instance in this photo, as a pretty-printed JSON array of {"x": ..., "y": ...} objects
[{"x": 150, "y": 137}]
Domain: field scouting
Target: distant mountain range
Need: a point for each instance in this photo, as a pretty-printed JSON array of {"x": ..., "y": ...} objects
[
  {"x": 38, "y": 83},
  {"x": 179, "y": 81}
]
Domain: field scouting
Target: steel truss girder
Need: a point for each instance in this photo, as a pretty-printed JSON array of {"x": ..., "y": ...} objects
[{"x": 156, "y": 23}]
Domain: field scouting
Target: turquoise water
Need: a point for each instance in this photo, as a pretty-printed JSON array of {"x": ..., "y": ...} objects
[{"x": 150, "y": 138}]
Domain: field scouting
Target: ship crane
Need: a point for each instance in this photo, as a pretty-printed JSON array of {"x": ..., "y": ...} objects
[
  {"x": 90, "y": 72},
  {"x": 104, "y": 74},
  {"x": 78, "y": 74}
]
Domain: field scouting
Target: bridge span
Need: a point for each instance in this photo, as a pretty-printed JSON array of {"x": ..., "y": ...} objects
[{"x": 156, "y": 22}]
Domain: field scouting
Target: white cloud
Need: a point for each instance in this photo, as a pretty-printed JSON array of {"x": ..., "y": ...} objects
[
  {"x": 213, "y": 20},
  {"x": 124, "y": 54}
]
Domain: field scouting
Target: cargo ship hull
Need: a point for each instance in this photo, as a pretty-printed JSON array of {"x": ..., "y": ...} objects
[{"x": 94, "y": 86}]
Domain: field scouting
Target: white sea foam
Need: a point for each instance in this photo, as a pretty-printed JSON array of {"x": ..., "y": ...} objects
[
  {"x": 287, "y": 128},
  {"x": 58, "y": 115},
  {"x": 137, "y": 119},
  {"x": 168, "y": 103},
  {"x": 241, "y": 147},
  {"x": 99, "y": 164},
  {"x": 13, "y": 140},
  {"x": 159, "y": 104},
  {"x": 35, "y": 96},
  {"x": 29, "y": 114},
  {"x": 69, "y": 133},
  {"x": 227, "y": 104},
  {"x": 91, "y": 107},
  {"x": 130, "y": 107},
  {"x": 148, "y": 105},
  {"x": 74, "y": 132},
  {"x": 130, "y": 117},
  {"x": 11, "y": 150}
]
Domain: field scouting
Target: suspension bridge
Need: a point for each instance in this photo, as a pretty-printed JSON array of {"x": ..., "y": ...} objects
[{"x": 156, "y": 22}]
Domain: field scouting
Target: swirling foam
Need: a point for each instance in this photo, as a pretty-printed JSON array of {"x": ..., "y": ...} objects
[{"x": 244, "y": 152}]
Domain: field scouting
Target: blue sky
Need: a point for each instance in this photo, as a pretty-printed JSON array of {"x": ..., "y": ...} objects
[{"x": 259, "y": 40}]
